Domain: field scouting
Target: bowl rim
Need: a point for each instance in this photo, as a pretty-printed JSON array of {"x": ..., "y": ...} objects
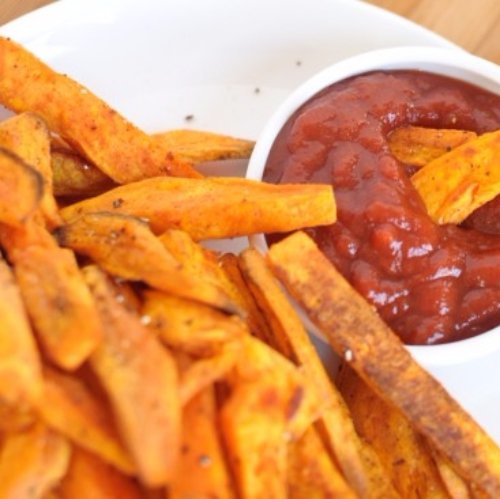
[{"x": 449, "y": 61}]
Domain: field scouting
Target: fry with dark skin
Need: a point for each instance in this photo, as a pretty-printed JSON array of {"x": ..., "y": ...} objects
[
  {"x": 195, "y": 205},
  {"x": 357, "y": 333}
]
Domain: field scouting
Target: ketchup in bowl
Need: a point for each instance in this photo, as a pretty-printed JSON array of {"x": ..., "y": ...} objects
[{"x": 431, "y": 284}]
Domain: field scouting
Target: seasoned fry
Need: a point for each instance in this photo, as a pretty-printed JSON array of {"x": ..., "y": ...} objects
[
  {"x": 32, "y": 462},
  {"x": 205, "y": 371},
  {"x": 108, "y": 140},
  {"x": 27, "y": 136},
  {"x": 140, "y": 378},
  {"x": 457, "y": 183},
  {"x": 196, "y": 205},
  {"x": 21, "y": 189},
  {"x": 89, "y": 477},
  {"x": 418, "y": 146},
  {"x": 291, "y": 339},
  {"x": 69, "y": 407},
  {"x": 58, "y": 302},
  {"x": 125, "y": 247},
  {"x": 189, "y": 326},
  {"x": 312, "y": 474},
  {"x": 402, "y": 451},
  {"x": 76, "y": 177},
  {"x": 202, "y": 470},
  {"x": 20, "y": 369},
  {"x": 357, "y": 333},
  {"x": 268, "y": 405},
  {"x": 200, "y": 146}
]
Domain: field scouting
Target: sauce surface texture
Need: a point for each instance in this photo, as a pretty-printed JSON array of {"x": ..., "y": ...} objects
[{"x": 430, "y": 283}]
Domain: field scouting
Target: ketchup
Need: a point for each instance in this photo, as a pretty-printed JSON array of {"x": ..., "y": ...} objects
[{"x": 431, "y": 284}]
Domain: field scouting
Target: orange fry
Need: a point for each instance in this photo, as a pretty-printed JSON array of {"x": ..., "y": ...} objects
[
  {"x": 140, "y": 378},
  {"x": 357, "y": 333},
  {"x": 32, "y": 462},
  {"x": 94, "y": 129},
  {"x": 186, "y": 325},
  {"x": 70, "y": 407},
  {"x": 195, "y": 205},
  {"x": 200, "y": 146},
  {"x": 457, "y": 183},
  {"x": 418, "y": 146},
  {"x": 21, "y": 189},
  {"x": 89, "y": 477},
  {"x": 202, "y": 469},
  {"x": 291, "y": 339},
  {"x": 125, "y": 247},
  {"x": 27, "y": 136},
  {"x": 58, "y": 302},
  {"x": 20, "y": 370}
]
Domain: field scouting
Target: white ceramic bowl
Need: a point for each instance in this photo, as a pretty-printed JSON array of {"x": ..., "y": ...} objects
[{"x": 469, "y": 369}]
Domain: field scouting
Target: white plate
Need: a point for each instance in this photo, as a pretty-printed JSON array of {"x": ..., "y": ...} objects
[{"x": 228, "y": 63}]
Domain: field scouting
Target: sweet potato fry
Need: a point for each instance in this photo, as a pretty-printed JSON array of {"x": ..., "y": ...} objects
[
  {"x": 199, "y": 146},
  {"x": 108, "y": 140},
  {"x": 189, "y": 326},
  {"x": 20, "y": 369},
  {"x": 202, "y": 470},
  {"x": 73, "y": 176},
  {"x": 32, "y": 462},
  {"x": 140, "y": 378},
  {"x": 58, "y": 302},
  {"x": 418, "y": 146},
  {"x": 402, "y": 451},
  {"x": 457, "y": 183},
  {"x": 69, "y": 407},
  {"x": 291, "y": 339},
  {"x": 21, "y": 189},
  {"x": 196, "y": 205},
  {"x": 358, "y": 334},
  {"x": 267, "y": 396},
  {"x": 125, "y": 247},
  {"x": 312, "y": 474},
  {"x": 27, "y": 136},
  {"x": 89, "y": 477},
  {"x": 203, "y": 372}
]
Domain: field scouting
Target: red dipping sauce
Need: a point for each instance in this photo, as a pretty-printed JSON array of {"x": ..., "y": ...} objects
[{"x": 431, "y": 284}]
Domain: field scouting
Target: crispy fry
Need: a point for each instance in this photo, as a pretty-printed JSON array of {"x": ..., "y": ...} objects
[
  {"x": 58, "y": 302},
  {"x": 140, "y": 378},
  {"x": 457, "y": 183},
  {"x": 76, "y": 177},
  {"x": 189, "y": 326},
  {"x": 27, "y": 136},
  {"x": 198, "y": 146},
  {"x": 108, "y": 140},
  {"x": 357, "y": 333},
  {"x": 312, "y": 474},
  {"x": 195, "y": 205},
  {"x": 402, "y": 451},
  {"x": 125, "y": 247},
  {"x": 291, "y": 339},
  {"x": 21, "y": 189},
  {"x": 418, "y": 146},
  {"x": 268, "y": 405},
  {"x": 32, "y": 462},
  {"x": 89, "y": 477},
  {"x": 202, "y": 470},
  {"x": 205, "y": 371},
  {"x": 69, "y": 407},
  {"x": 20, "y": 369},
  {"x": 455, "y": 485}
]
